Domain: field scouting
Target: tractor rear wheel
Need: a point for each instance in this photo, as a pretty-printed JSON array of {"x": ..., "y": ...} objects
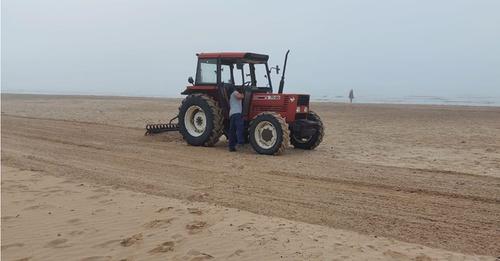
[
  {"x": 200, "y": 120},
  {"x": 309, "y": 143},
  {"x": 269, "y": 133}
]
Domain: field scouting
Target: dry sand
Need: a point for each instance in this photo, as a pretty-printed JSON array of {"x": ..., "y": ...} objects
[
  {"x": 427, "y": 175},
  {"x": 49, "y": 218}
]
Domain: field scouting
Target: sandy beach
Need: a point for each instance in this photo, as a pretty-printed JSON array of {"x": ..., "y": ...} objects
[{"x": 80, "y": 181}]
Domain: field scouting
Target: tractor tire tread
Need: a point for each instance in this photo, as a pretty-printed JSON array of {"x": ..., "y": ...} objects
[
  {"x": 319, "y": 138},
  {"x": 217, "y": 118},
  {"x": 284, "y": 129},
  {"x": 321, "y": 130}
]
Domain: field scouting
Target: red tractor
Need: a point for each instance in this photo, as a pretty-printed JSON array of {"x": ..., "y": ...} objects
[{"x": 272, "y": 120}]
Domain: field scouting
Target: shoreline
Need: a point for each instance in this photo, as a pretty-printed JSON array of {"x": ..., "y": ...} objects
[{"x": 317, "y": 100}]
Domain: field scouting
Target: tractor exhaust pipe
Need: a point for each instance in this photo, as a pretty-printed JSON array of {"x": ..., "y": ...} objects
[{"x": 282, "y": 82}]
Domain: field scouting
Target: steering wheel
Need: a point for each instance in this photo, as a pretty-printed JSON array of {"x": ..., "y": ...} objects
[{"x": 246, "y": 84}]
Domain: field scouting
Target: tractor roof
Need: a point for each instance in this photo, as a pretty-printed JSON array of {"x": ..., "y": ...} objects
[{"x": 235, "y": 55}]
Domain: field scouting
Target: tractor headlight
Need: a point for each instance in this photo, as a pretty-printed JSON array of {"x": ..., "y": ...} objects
[
  {"x": 305, "y": 108},
  {"x": 297, "y": 110}
]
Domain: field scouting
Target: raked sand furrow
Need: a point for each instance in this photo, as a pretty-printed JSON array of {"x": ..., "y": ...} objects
[{"x": 404, "y": 210}]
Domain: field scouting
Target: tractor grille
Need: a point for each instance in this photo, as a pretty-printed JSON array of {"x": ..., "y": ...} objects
[
  {"x": 270, "y": 108},
  {"x": 303, "y": 100},
  {"x": 287, "y": 100}
]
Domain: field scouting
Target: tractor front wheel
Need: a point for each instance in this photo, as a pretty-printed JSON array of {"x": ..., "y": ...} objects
[
  {"x": 269, "y": 133},
  {"x": 200, "y": 120},
  {"x": 311, "y": 142}
]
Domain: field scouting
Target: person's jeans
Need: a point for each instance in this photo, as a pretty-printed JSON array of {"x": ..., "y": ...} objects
[{"x": 236, "y": 130}]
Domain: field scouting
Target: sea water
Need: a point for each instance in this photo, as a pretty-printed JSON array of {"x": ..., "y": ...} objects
[{"x": 438, "y": 100}]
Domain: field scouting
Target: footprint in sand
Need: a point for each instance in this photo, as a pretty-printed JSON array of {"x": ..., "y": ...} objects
[
  {"x": 137, "y": 238},
  {"x": 47, "y": 193},
  {"x": 15, "y": 187},
  {"x": 12, "y": 245},
  {"x": 198, "y": 197},
  {"x": 53, "y": 187},
  {"x": 395, "y": 254},
  {"x": 75, "y": 221},
  {"x": 96, "y": 258},
  {"x": 423, "y": 257},
  {"x": 247, "y": 227},
  {"x": 7, "y": 218},
  {"x": 43, "y": 206},
  {"x": 161, "y": 210},
  {"x": 162, "y": 248},
  {"x": 76, "y": 233},
  {"x": 107, "y": 202},
  {"x": 44, "y": 194},
  {"x": 196, "y": 226},
  {"x": 107, "y": 243},
  {"x": 101, "y": 190},
  {"x": 194, "y": 255},
  {"x": 178, "y": 238},
  {"x": 97, "y": 196},
  {"x": 236, "y": 253},
  {"x": 33, "y": 207},
  {"x": 158, "y": 223},
  {"x": 195, "y": 211},
  {"x": 58, "y": 243}
]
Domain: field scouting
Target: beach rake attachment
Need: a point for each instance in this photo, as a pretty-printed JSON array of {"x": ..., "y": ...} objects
[{"x": 155, "y": 128}]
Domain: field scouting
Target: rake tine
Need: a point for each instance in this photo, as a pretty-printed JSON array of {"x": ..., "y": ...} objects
[{"x": 161, "y": 127}]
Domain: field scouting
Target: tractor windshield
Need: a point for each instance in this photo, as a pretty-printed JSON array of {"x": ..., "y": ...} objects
[
  {"x": 207, "y": 71},
  {"x": 261, "y": 77},
  {"x": 252, "y": 74}
]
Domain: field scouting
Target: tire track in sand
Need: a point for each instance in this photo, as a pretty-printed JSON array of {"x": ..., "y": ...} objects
[{"x": 385, "y": 201}]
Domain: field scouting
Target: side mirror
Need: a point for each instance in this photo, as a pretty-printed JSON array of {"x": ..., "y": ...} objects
[
  {"x": 190, "y": 80},
  {"x": 277, "y": 69}
]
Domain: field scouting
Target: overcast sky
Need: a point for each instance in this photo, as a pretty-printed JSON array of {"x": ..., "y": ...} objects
[{"x": 147, "y": 48}]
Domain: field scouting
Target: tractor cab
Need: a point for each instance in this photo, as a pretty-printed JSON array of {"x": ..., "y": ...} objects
[
  {"x": 221, "y": 73},
  {"x": 237, "y": 69}
]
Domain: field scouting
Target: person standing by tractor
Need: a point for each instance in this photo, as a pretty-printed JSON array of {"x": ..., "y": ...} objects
[
  {"x": 351, "y": 95},
  {"x": 235, "y": 120}
]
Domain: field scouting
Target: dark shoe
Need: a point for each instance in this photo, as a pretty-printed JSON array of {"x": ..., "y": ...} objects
[
  {"x": 232, "y": 149},
  {"x": 240, "y": 146}
]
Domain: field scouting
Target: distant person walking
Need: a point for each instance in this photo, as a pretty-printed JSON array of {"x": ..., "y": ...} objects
[{"x": 351, "y": 95}]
